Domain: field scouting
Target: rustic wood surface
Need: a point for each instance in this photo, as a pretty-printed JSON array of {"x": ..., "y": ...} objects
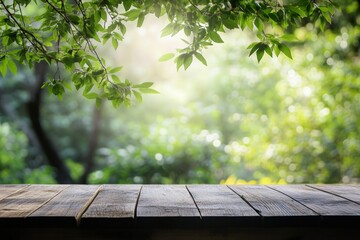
[
  {"x": 159, "y": 206},
  {"x": 270, "y": 203},
  {"x": 113, "y": 202},
  {"x": 324, "y": 203},
  {"x": 7, "y": 190},
  {"x": 67, "y": 207},
  {"x": 166, "y": 201},
  {"x": 350, "y": 192},
  {"x": 25, "y": 201},
  {"x": 219, "y": 201}
]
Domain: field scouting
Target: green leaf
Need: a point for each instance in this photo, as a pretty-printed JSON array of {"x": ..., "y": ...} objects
[
  {"x": 215, "y": 37},
  {"x": 144, "y": 85},
  {"x": 87, "y": 89},
  {"x": 201, "y": 58},
  {"x": 115, "y": 70},
  {"x": 68, "y": 61},
  {"x": 268, "y": 50},
  {"x": 187, "y": 31},
  {"x": 58, "y": 89},
  {"x": 285, "y": 49},
  {"x": 276, "y": 50},
  {"x": 252, "y": 45},
  {"x": 243, "y": 21},
  {"x": 230, "y": 23},
  {"x": 261, "y": 50},
  {"x": 3, "y": 69},
  {"x": 114, "y": 43},
  {"x": 67, "y": 86},
  {"x": 254, "y": 48},
  {"x": 180, "y": 61},
  {"x": 288, "y": 38},
  {"x": 12, "y": 67},
  {"x": 166, "y": 57},
  {"x": 327, "y": 16},
  {"x": 115, "y": 78},
  {"x": 148, "y": 90},
  {"x": 259, "y": 24},
  {"x": 188, "y": 60},
  {"x": 298, "y": 10},
  {"x": 74, "y": 19},
  {"x": 157, "y": 10},
  {"x": 260, "y": 54},
  {"x": 132, "y": 14},
  {"x": 118, "y": 36},
  {"x": 122, "y": 28},
  {"x": 273, "y": 17},
  {"x": 91, "y": 95},
  {"x": 103, "y": 15},
  {"x": 137, "y": 96},
  {"x": 127, "y": 4},
  {"x": 111, "y": 27},
  {"x": 169, "y": 29},
  {"x": 322, "y": 23},
  {"x": 140, "y": 20}
]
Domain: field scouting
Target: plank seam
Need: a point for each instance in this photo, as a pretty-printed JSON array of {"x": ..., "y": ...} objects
[
  {"x": 46, "y": 201},
  {"x": 87, "y": 205},
  {"x": 321, "y": 217},
  {"x": 20, "y": 189},
  {"x": 137, "y": 202},
  {"x": 197, "y": 207},
  {"x": 335, "y": 194},
  {"x": 245, "y": 200}
]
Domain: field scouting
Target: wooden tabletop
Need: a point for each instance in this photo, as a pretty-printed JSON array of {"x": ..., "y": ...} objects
[{"x": 134, "y": 206}]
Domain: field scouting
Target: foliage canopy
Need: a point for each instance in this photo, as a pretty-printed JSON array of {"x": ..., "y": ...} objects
[{"x": 67, "y": 33}]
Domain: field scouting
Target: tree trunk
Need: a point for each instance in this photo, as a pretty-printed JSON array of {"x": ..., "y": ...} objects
[
  {"x": 33, "y": 107},
  {"x": 92, "y": 145}
]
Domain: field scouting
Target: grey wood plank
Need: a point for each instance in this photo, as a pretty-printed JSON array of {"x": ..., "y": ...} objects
[
  {"x": 220, "y": 201},
  {"x": 27, "y": 200},
  {"x": 114, "y": 201},
  {"x": 67, "y": 207},
  {"x": 114, "y": 205},
  {"x": 8, "y": 189},
  {"x": 321, "y": 202},
  {"x": 351, "y": 192},
  {"x": 166, "y": 201},
  {"x": 270, "y": 203}
]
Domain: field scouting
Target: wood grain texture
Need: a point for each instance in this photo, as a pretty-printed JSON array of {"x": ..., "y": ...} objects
[
  {"x": 351, "y": 192},
  {"x": 270, "y": 203},
  {"x": 27, "y": 200},
  {"x": 8, "y": 189},
  {"x": 67, "y": 206},
  {"x": 321, "y": 202},
  {"x": 114, "y": 206},
  {"x": 114, "y": 201},
  {"x": 219, "y": 201},
  {"x": 166, "y": 201},
  {"x": 132, "y": 208}
]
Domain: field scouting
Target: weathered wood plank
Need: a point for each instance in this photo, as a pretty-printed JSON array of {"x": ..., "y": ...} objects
[
  {"x": 351, "y": 192},
  {"x": 270, "y": 203},
  {"x": 321, "y": 202},
  {"x": 166, "y": 201},
  {"x": 22, "y": 203},
  {"x": 220, "y": 201},
  {"x": 67, "y": 207},
  {"x": 114, "y": 204},
  {"x": 8, "y": 189}
]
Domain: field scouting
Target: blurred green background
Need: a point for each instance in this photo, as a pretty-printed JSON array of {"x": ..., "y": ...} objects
[{"x": 234, "y": 121}]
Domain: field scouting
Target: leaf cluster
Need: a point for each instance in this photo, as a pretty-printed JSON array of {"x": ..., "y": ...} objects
[{"x": 65, "y": 33}]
